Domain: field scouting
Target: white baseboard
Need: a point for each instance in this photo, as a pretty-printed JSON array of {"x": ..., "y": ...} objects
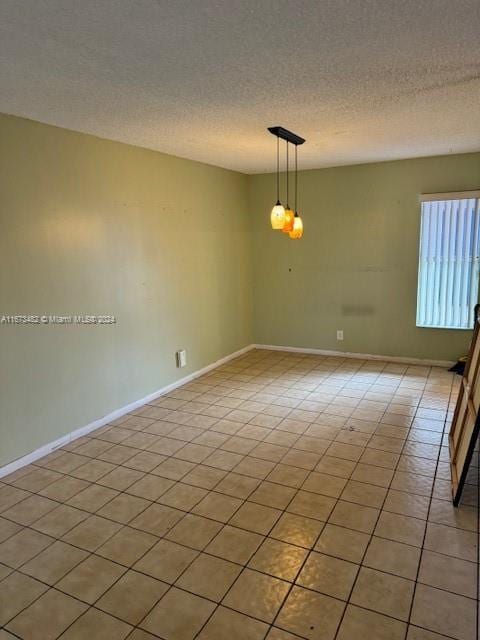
[
  {"x": 362, "y": 356},
  {"x": 118, "y": 413}
]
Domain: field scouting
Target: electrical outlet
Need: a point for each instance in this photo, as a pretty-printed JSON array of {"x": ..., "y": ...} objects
[
  {"x": 181, "y": 358},
  {"x": 339, "y": 334}
]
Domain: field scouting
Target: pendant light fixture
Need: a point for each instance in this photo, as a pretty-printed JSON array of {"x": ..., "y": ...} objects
[
  {"x": 285, "y": 218},
  {"x": 277, "y": 216},
  {"x": 297, "y": 230}
]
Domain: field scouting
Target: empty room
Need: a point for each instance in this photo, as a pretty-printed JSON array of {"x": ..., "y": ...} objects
[{"x": 239, "y": 319}]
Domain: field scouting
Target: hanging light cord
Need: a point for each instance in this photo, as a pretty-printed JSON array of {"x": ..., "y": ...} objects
[
  {"x": 278, "y": 170},
  {"x": 296, "y": 179},
  {"x": 287, "y": 175}
]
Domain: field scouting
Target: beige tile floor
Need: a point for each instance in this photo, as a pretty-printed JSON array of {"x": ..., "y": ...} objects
[{"x": 281, "y": 496}]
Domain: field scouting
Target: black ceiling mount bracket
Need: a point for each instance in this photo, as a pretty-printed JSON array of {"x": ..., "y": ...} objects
[{"x": 287, "y": 135}]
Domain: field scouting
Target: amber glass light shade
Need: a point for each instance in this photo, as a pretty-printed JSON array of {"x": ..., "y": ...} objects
[
  {"x": 277, "y": 217},
  {"x": 297, "y": 231},
  {"x": 288, "y": 224}
]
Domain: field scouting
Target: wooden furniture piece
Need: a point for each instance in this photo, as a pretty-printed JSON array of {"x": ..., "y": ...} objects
[{"x": 466, "y": 419}]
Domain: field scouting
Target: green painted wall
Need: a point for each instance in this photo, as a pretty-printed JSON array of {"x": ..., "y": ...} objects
[
  {"x": 89, "y": 226},
  {"x": 356, "y": 267}
]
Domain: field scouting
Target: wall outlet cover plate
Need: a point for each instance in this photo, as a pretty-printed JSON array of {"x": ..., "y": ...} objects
[{"x": 181, "y": 358}]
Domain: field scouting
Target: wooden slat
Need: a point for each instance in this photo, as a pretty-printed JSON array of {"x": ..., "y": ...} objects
[{"x": 466, "y": 418}]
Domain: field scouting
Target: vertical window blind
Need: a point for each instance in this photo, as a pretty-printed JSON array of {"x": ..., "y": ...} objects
[{"x": 448, "y": 272}]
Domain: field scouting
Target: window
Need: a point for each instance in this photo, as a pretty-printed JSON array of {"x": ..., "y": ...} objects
[{"x": 448, "y": 269}]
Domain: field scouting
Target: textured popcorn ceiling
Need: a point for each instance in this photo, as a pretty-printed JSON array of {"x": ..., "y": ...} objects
[{"x": 362, "y": 80}]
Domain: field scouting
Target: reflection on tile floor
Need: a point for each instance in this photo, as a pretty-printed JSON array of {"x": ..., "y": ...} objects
[{"x": 281, "y": 496}]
